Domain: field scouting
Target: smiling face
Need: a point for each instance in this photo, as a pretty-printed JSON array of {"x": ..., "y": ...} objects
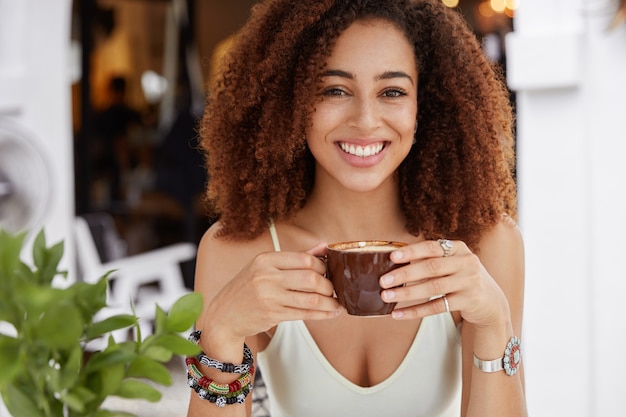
[{"x": 364, "y": 119}]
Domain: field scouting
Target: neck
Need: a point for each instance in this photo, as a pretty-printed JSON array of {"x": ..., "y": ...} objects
[{"x": 336, "y": 214}]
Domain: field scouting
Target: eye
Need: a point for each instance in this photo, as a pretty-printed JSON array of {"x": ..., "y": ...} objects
[
  {"x": 333, "y": 92},
  {"x": 394, "y": 93}
]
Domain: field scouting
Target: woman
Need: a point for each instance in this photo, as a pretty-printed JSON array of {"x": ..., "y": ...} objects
[{"x": 339, "y": 120}]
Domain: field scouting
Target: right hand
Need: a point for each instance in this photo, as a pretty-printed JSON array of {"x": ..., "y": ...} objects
[{"x": 273, "y": 287}]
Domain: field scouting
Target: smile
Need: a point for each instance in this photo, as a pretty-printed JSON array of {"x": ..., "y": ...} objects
[{"x": 362, "y": 151}]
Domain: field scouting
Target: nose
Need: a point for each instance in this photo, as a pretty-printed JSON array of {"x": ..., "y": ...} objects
[{"x": 365, "y": 115}]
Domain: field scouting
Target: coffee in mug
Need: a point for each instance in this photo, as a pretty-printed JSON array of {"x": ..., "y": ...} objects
[{"x": 355, "y": 269}]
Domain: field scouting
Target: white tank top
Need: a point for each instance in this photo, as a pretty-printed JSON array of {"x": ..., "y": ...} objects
[{"x": 302, "y": 383}]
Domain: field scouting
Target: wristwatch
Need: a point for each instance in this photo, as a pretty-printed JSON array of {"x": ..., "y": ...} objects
[{"x": 509, "y": 363}]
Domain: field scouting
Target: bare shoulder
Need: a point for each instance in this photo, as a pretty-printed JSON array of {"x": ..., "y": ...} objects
[
  {"x": 220, "y": 258},
  {"x": 501, "y": 251},
  {"x": 502, "y": 238}
]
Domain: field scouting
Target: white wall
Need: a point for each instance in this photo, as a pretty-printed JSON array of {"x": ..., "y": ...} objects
[
  {"x": 35, "y": 100},
  {"x": 569, "y": 71},
  {"x": 35, "y": 104}
]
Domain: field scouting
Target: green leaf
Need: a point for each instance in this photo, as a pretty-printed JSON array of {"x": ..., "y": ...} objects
[
  {"x": 39, "y": 249},
  {"x": 112, "y": 378},
  {"x": 112, "y": 413},
  {"x": 23, "y": 274},
  {"x": 52, "y": 376},
  {"x": 60, "y": 327},
  {"x": 10, "y": 312},
  {"x": 9, "y": 360},
  {"x": 46, "y": 259},
  {"x": 184, "y": 313},
  {"x": 160, "y": 320},
  {"x": 158, "y": 353},
  {"x": 108, "y": 358},
  {"x": 10, "y": 249},
  {"x": 36, "y": 299},
  {"x": 144, "y": 367},
  {"x": 110, "y": 324},
  {"x": 73, "y": 401},
  {"x": 132, "y": 388},
  {"x": 50, "y": 269},
  {"x": 90, "y": 298},
  {"x": 70, "y": 370},
  {"x": 85, "y": 394},
  {"x": 106, "y": 381},
  {"x": 19, "y": 403},
  {"x": 177, "y": 344}
]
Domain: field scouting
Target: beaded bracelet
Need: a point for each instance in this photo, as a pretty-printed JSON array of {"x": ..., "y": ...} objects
[
  {"x": 222, "y": 389},
  {"x": 227, "y": 367},
  {"x": 208, "y": 387},
  {"x": 223, "y": 400},
  {"x": 236, "y": 397},
  {"x": 220, "y": 394}
]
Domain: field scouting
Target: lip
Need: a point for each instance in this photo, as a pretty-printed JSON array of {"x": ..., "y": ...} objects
[{"x": 362, "y": 154}]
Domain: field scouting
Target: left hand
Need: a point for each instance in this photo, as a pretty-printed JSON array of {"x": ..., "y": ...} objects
[{"x": 460, "y": 276}]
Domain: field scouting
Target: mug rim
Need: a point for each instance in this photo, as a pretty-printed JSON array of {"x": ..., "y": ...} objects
[{"x": 356, "y": 244}]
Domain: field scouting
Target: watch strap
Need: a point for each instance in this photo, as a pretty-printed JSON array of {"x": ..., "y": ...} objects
[
  {"x": 494, "y": 365},
  {"x": 509, "y": 362}
]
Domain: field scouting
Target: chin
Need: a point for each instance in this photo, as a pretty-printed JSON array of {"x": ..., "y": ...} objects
[{"x": 366, "y": 185}]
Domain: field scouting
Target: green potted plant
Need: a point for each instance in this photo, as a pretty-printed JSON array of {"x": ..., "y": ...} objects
[{"x": 46, "y": 369}]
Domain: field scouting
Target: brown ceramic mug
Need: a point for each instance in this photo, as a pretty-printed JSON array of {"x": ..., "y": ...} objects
[{"x": 355, "y": 269}]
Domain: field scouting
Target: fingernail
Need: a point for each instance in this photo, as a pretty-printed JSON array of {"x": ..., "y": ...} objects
[
  {"x": 397, "y": 255},
  {"x": 397, "y": 314},
  {"x": 386, "y": 280},
  {"x": 389, "y": 295}
]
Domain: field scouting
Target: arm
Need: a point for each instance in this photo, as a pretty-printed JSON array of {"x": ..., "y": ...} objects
[
  {"x": 247, "y": 291},
  {"x": 497, "y": 394},
  {"x": 486, "y": 292}
]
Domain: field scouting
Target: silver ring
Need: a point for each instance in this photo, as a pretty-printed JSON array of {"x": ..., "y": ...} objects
[
  {"x": 445, "y": 300},
  {"x": 446, "y": 245}
]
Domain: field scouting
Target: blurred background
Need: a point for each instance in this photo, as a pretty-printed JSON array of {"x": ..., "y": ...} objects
[
  {"x": 144, "y": 69},
  {"x": 137, "y": 71},
  {"x": 99, "y": 101}
]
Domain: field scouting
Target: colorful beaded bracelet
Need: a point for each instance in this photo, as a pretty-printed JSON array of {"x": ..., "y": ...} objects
[
  {"x": 222, "y": 400},
  {"x": 220, "y": 394},
  {"x": 221, "y": 389},
  {"x": 204, "y": 391},
  {"x": 248, "y": 359}
]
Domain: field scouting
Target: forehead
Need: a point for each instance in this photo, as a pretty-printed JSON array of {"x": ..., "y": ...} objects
[{"x": 374, "y": 42}]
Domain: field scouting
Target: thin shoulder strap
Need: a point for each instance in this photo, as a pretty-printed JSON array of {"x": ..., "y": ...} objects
[{"x": 274, "y": 236}]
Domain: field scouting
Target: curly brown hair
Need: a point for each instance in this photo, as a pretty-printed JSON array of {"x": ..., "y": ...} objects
[{"x": 457, "y": 180}]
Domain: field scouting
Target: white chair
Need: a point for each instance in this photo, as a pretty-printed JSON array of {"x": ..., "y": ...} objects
[{"x": 145, "y": 279}]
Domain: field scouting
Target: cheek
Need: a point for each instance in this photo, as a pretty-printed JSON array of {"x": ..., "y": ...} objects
[
  {"x": 407, "y": 123},
  {"x": 321, "y": 123},
  {"x": 412, "y": 121},
  {"x": 404, "y": 113}
]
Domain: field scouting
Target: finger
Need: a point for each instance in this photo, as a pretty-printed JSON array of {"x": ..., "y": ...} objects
[
  {"x": 310, "y": 301},
  {"x": 419, "y": 270},
  {"x": 318, "y": 250},
  {"x": 428, "y": 308},
  {"x": 301, "y": 314},
  {"x": 423, "y": 290},
  {"x": 427, "y": 249},
  {"x": 289, "y": 261},
  {"x": 307, "y": 281}
]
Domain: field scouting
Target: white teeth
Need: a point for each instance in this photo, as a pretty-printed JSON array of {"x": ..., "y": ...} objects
[{"x": 361, "y": 151}]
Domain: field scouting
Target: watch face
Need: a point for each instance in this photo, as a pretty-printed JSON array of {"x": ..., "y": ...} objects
[{"x": 512, "y": 356}]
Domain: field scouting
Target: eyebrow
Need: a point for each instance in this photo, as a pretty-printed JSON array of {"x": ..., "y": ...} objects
[{"x": 387, "y": 75}]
